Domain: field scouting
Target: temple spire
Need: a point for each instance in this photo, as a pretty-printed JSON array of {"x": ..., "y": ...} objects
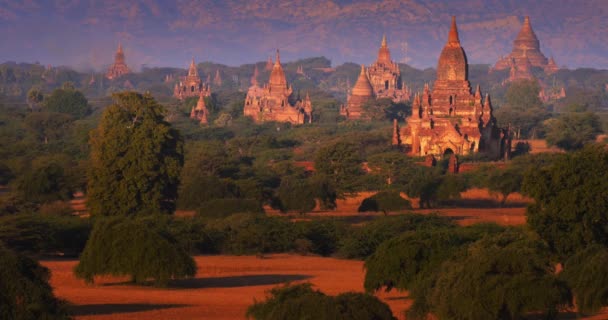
[
  {"x": 278, "y": 58},
  {"x": 453, "y": 36},
  {"x": 384, "y": 45},
  {"x": 192, "y": 69}
]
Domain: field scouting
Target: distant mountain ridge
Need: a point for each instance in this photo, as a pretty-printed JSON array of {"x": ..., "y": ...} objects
[{"x": 232, "y": 32}]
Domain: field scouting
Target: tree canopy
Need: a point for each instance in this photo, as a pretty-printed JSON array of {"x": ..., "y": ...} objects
[
  {"x": 69, "y": 101},
  {"x": 136, "y": 158}
]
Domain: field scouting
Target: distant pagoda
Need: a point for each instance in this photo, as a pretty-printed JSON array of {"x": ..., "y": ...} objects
[
  {"x": 271, "y": 102},
  {"x": 385, "y": 76},
  {"x": 191, "y": 85},
  {"x": 361, "y": 94},
  {"x": 526, "y": 50},
  {"x": 119, "y": 67}
]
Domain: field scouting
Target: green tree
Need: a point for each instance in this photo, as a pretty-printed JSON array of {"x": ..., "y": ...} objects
[
  {"x": 34, "y": 98},
  {"x": 502, "y": 277},
  {"x": 523, "y": 109},
  {"x": 296, "y": 194},
  {"x": 571, "y": 131},
  {"x": 142, "y": 248},
  {"x": 505, "y": 181},
  {"x": 47, "y": 183},
  {"x": 68, "y": 101},
  {"x": 136, "y": 158},
  {"x": 24, "y": 289},
  {"x": 585, "y": 273},
  {"x": 341, "y": 163},
  {"x": 48, "y": 126},
  {"x": 571, "y": 208},
  {"x": 301, "y": 301},
  {"x": 385, "y": 201}
]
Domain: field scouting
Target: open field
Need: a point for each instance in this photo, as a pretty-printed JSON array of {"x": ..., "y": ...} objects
[{"x": 223, "y": 288}]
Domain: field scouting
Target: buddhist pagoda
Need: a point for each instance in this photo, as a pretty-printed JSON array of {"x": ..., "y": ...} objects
[
  {"x": 385, "y": 76},
  {"x": 119, "y": 67},
  {"x": 449, "y": 119},
  {"x": 361, "y": 96},
  {"x": 200, "y": 112},
  {"x": 191, "y": 85},
  {"x": 271, "y": 102}
]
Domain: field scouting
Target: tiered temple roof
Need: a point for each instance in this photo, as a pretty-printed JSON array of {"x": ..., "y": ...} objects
[
  {"x": 361, "y": 94},
  {"x": 119, "y": 67},
  {"x": 271, "y": 102},
  {"x": 385, "y": 76},
  {"x": 191, "y": 85},
  {"x": 449, "y": 119}
]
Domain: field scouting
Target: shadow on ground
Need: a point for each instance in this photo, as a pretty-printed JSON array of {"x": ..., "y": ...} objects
[
  {"x": 101, "y": 309},
  {"x": 225, "y": 282}
]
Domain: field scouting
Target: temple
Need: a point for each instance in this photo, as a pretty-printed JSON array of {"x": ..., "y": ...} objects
[
  {"x": 449, "y": 119},
  {"x": 200, "y": 112},
  {"x": 271, "y": 102},
  {"x": 526, "y": 49},
  {"x": 385, "y": 76},
  {"x": 119, "y": 67},
  {"x": 361, "y": 96},
  {"x": 191, "y": 85}
]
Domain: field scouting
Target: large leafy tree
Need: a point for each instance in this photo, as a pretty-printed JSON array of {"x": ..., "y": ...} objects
[
  {"x": 572, "y": 131},
  {"x": 142, "y": 248},
  {"x": 341, "y": 163},
  {"x": 24, "y": 289},
  {"x": 136, "y": 158},
  {"x": 585, "y": 273},
  {"x": 69, "y": 101},
  {"x": 523, "y": 109},
  {"x": 571, "y": 207}
]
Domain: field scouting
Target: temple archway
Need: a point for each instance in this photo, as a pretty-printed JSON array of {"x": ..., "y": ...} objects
[{"x": 448, "y": 152}]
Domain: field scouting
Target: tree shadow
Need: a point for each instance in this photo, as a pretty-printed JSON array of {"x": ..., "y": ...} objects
[
  {"x": 109, "y": 308},
  {"x": 224, "y": 282},
  {"x": 481, "y": 203}
]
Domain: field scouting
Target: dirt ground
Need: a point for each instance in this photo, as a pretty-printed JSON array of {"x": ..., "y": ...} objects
[{"x": 223, "y": 288}]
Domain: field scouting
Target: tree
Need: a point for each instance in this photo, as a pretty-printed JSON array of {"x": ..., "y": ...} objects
[
  {"x": 302, "y": 302},
  {"x": 48, "y": 126},
  {"x": 136, "y": 158},
  {"x": 585, "y": 273},
  {"x": 571, "y": 131},
  {"x": 34, "y": 98},
  {"x": 523, "y": 109},
  {"x": 47, "y": 183},
  {"x": 24, "y": 289},
  {"x": 505, "y": 181},
  {"x": 571, "y": 208},
  {"x": 385, "y": 201},
  {"x": 296, "y": 194},
  {"x": 502, "y": 277},
  {"x": 341, "y": 163},
  {"x": 137, "y": 247},
  {"x": 69, "y": 101}
]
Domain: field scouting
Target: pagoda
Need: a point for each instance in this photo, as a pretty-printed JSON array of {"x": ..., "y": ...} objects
[
  {"x": 449, "y": 119},
  {"x": 526, "y": 48},
  {"x": 385, "y": 76},
  {"x": 119, "y": 67},
  {"x": 191, "y": 85},
  {"x": 200, "y": 112},
  {"x": 271, "y": 102},
  {"x": 361, "y": 95}
]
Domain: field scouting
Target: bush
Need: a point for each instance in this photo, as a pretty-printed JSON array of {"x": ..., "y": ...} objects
[
  {"x": 362, "y": 242},
  {"x": 140, "y": 248},
  {"x": 385, "y": 201},
  {"x": 321, "y": 236},
  {"x": 302, "y": 302},
  {"x": 45, "y": 234},
  {"x": 254, "y": 234},
  {"x": 220, "y": 208},
  {"x": 24, "y": 289}
]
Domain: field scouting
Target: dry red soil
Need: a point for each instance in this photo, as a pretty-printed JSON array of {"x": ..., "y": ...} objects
[{"x": 223, "y": 288}]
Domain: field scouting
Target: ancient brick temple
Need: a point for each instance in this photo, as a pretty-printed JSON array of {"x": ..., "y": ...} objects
[
  {"x": 200, "y": 112},
  {"x": 361, "y": 95},
  {"x": 119, "y": 67},
  {"x": 385, "y": 76},
  {"x": 449, "y": 119},
  {"x": 526, "y": 50},
  {"x": 271, "y": 102},
  {"x": 191, "y": 85}
]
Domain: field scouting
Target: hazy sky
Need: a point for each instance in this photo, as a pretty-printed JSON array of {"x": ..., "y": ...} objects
[{"x": 85, "y": 33}]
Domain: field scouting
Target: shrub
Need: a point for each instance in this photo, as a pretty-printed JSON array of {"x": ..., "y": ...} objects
[
  {"x": 385, "y": 201},
  {"x": 302, "y": 302},
  {"x": 220, "y": 208},
  {"x": 363, "y": 241},
  {"x": 24, "y": 289},
  {"x": 322, "y": 235},
  {"x": 140, "y": 248}
]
